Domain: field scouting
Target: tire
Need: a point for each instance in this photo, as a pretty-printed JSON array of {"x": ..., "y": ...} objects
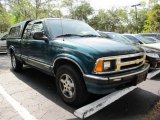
[
  {"x": 16, "y": 64},
  {"x": 71, "y": 86}
]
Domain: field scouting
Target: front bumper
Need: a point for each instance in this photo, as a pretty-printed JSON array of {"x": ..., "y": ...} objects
[{"x": 109, "y": 83}]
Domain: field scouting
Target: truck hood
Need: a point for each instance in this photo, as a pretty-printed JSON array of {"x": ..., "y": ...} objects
[
  {"x": 154, "y": 46},
  {"x": 103, "y": 47}
]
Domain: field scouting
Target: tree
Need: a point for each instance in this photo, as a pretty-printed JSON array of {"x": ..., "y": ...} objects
[
  {"x": 4, "y": 19},
  {"x": 153, "y": 20},
  {"x": 111, "y": 20},
  {"x": 152, "y": 3},
  {"x": 32, "y": 9},
  {"x": 82, "y": 11},
  {"x": 133, "y": 23},
  {"x": 21, "y": 10},
  {"x": 69, "y": 6}
]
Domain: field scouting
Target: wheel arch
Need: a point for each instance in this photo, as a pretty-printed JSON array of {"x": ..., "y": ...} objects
[
  {"x": 11, "y": 50},
  {"x": 65, "y": 60}
]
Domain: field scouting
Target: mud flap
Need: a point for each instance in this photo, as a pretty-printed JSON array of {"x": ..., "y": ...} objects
[{"x": 94, "y": 107}]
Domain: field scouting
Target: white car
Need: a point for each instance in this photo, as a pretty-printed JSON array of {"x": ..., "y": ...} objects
[
  {"x": 151, "y": 47},
  {"x": 3, "y": 44}
]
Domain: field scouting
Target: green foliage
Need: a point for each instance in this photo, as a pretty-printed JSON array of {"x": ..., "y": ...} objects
[
  {"x": 21, "y": 10},
  {"x": 82, "y": 11},
  {"x": 110, "y": 20},
  {"x": 153, "y": 20},
  {"x": 4, "y": 19},
  {"x": 140, "y": 22},
  {"x": 116, "y": 20}
]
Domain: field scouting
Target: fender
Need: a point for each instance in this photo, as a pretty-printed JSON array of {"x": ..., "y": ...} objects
[{"x": 73, "y": 59}]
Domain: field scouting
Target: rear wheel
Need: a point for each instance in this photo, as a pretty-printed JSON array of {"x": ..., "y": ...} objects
[
  {"x": 16, "y": 64},
  {"x": 70, "y": 85}
]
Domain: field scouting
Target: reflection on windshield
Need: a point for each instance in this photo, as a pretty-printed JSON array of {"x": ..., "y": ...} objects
[
  {"x": 120, "y": 38},
  {"x": 145, "y": 40},
  {"x": 70, "y": 28}
]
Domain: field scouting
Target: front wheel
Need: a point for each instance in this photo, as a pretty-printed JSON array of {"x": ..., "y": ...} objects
[
  {"x": 16, "y": 64},
  {"x": 70, "y": 85}
]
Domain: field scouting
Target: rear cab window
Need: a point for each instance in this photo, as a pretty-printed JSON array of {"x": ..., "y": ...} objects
[{"x": 15, "y": 32}]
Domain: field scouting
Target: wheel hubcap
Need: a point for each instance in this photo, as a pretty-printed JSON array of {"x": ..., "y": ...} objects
[
  {"x": 67, "y": 86},
  {"x": 13, "y": 61}
]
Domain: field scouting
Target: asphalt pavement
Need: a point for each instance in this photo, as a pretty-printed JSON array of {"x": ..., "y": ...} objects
[{"x": 33, "y": 94}]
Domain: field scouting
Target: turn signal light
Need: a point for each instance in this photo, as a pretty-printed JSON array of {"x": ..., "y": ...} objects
[{"x": 99, "y": 66}]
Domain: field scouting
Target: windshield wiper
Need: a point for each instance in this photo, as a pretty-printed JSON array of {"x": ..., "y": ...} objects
[
  {"x": 71, "y": 35},
  {"x": 90, "y": 35},
  {"x": 68, "y": 35}
]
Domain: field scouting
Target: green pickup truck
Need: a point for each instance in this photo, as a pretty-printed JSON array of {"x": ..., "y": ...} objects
[{"x": 74, "y": 53}]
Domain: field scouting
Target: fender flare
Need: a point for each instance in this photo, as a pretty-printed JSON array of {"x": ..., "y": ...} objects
[
  {"x": 72, "y": 59},
  {"x": 11, "y": 48}
]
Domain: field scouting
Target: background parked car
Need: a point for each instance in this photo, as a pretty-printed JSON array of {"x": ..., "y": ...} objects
[
  {"x": 3, "y": 45},
  {"x": 136, "y": 38},
  {"x": 153, "y": 39},
  {"x": 116, "y": 37},
  {"x": 153, "y": 55},
  {"x": 155, "y": 35},
  {"x": 152, "y": 48}
]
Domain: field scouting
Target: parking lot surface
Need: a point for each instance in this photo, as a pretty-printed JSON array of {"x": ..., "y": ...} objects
[{"x": 35, "y": 94}]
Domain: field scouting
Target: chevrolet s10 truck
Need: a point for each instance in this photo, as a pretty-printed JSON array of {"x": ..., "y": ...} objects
[{"x": 74, "y": 53}]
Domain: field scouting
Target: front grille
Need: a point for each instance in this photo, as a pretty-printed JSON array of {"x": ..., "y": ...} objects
[
  {"x": 125, "y": 62},
  {"x": 131, "y": 66},
  {"x": 130, "y": 61}
]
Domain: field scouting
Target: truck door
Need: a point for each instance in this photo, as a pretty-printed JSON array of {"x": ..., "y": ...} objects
[
  {"x": 25, "y": 42},
  {"x": 38, "y": 49}
]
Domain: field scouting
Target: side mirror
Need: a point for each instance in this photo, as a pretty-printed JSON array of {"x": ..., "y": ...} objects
[
  {"x": 140, "y": 42},
  {"x": 39, "y": 36}
]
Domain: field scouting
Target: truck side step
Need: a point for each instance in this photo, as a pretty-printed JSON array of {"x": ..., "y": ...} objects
[{"x": 95, "y": 106}]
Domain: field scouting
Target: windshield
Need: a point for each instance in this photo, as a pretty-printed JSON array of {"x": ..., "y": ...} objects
[
  {"x": 144, "y": 40},
  {"x": 70, "y": 27},
  {"x": 153, "y": 39},
  {"x": 120, "y": 38}
]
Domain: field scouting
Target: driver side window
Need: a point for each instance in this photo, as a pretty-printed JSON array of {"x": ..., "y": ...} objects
[
  {"x": 37, "y": 27},
  {"x": 27, "y": 32}
]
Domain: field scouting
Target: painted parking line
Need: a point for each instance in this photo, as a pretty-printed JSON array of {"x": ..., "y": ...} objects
[
  {"x": 20, "y": 109},
  {"x": 94, "y": 107},
  {"x": 152, "y": 74}
]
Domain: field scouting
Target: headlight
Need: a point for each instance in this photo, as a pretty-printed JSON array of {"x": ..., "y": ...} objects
[
  {"x": 107, "y": 65},
  {"x": 102, "y": 66},
  {"x": 153, "y": 55}
]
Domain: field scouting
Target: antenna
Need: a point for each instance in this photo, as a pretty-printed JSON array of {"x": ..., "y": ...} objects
[{"x": 59, "y": 7}]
